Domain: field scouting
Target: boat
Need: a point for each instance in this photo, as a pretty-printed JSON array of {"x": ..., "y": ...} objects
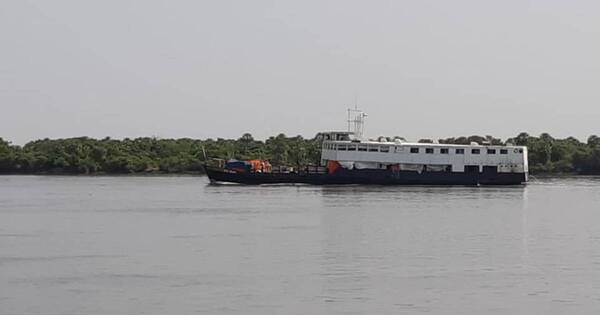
[{"x": 348, "y": 158}]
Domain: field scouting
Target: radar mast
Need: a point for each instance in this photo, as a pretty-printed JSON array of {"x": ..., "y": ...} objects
[{"x": 356, "y": 121}]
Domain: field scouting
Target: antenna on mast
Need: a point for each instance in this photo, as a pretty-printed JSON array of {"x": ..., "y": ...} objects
[{"x": 356, "y": 121}]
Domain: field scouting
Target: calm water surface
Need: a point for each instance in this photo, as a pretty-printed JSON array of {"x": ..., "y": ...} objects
[{"x": 174, "y": 245}]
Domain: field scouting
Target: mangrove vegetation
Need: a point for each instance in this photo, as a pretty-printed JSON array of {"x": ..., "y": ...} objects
[{"x": 83, "y": 155}]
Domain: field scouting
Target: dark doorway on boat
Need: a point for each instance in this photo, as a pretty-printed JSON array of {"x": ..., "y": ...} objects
[
  {"x": 490, "y": 169},
  {"x": 471, "y": 168}
]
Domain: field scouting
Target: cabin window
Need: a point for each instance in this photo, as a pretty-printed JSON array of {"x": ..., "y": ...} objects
[
  {"x": 342, "y": 147},
  {"x": 520, "y": 150},
  {"x": 352, "y": 147},
  {"x": 475, "y": 151},
  {"x": 491, "y": 151},
  {"x": 362, "y": 147},
  {"x": 399, "y": 149},
  {"x": 429, "y": 150},
  {"x": 444, "y": 151},
  {"x": 373, "y": 148},
  {"x": 414, "y": 150},
  {"x": 460, "y": 151},
  {"x": 384, "y": 149},
  {"x": 503, "y": 151}
]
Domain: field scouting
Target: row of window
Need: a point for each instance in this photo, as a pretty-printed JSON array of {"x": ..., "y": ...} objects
[
  {"x": 457, "y": 151},
  {"x": 386, "y": 149}
]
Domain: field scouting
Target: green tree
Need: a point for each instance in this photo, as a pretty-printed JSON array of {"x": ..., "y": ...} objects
[
  {"x": 278, "y": 147},
  {"x": 7, "y": 157},
  {"x": 593, "y": 140}
]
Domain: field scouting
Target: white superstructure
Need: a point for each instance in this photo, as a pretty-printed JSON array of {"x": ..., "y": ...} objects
[
  {"x": 411, "y": 156},
  {"x": 353, "y": 152}
]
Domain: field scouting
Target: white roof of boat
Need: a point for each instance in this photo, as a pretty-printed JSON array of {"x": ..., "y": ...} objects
[{"x": 419, "y": 144}]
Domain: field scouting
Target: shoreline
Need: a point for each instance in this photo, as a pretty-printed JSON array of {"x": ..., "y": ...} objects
[
  {"x": 202, "y": 174},
  {"x": 157, "y": 174}
]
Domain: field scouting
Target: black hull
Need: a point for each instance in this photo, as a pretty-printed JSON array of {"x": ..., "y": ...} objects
[{"x": 368, "y": 177}]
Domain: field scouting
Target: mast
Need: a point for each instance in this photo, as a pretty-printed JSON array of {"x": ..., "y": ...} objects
[{"x": 356, "y": 121}]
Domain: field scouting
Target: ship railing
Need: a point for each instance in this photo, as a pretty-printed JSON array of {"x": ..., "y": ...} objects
[
  {"x": 307, "y": 169},
  {"x": 216, "y": 163}
]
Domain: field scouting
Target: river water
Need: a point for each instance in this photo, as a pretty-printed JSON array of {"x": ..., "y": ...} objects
[{"x": 175, "y": 245}]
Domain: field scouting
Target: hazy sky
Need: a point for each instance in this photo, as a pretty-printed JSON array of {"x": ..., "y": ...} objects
[{"x": 220, "y": 68}]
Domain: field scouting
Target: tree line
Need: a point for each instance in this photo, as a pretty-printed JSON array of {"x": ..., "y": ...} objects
[{"x": 83, "y": 155}]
